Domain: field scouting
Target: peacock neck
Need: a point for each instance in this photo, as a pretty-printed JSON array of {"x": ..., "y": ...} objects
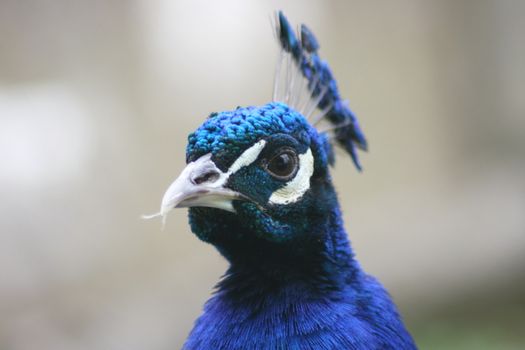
[{"x": 321, "y": 261}]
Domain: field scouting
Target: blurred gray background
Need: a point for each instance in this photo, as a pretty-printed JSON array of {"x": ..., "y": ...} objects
[{"x": 96, "y": 101}]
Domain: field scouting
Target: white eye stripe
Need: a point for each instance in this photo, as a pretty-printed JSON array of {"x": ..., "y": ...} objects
[
  {"x": 292, "y": 191},
  {"x": 247, "y": 157},
  {"x": 296, "y": 188}
]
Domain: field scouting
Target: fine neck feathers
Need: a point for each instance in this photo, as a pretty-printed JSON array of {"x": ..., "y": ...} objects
[{"x": 321, "y": 259}]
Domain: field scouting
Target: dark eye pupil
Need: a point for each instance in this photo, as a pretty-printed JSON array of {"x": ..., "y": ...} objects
[{"x": 282, "y": 165}]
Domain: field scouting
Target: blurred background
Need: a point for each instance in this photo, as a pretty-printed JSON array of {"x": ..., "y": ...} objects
[{"x": 97, "y": 98}]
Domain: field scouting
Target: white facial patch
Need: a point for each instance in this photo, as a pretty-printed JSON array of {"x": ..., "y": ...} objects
[
  {"x": 295, "y": 188},
  {"x": 247, "y": 157}
]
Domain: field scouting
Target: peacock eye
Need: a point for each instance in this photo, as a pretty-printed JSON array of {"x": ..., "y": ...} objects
[{"x": 283, "y": 165}]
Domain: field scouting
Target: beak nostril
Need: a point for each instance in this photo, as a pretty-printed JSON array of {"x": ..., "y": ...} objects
[{"x": 209, "y": 176}]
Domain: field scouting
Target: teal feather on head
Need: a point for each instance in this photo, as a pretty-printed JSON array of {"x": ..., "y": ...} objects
[{"x": 230, "y": 132}]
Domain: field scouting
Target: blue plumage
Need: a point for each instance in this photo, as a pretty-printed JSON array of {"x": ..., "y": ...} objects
[{"x": 259, "y": 189}]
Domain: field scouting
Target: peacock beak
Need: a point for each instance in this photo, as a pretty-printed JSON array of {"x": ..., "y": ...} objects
[{"x": 201, "y": 184}]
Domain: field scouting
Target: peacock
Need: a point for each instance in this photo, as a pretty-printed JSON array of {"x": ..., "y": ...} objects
[{"x": 258, "y": 187}]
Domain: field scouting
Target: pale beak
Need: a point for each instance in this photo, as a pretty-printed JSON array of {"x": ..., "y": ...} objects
[{"x": 201, "y": 184}]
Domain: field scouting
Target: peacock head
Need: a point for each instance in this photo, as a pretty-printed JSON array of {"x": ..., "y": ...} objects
[{"x": 261, "y": 171}]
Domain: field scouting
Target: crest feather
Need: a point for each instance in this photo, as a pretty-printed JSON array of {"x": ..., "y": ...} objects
[{"x": 305, "y": 82}]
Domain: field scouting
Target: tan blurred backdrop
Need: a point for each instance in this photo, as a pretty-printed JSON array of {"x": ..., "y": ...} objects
[{"x": 96, "y": 101}]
